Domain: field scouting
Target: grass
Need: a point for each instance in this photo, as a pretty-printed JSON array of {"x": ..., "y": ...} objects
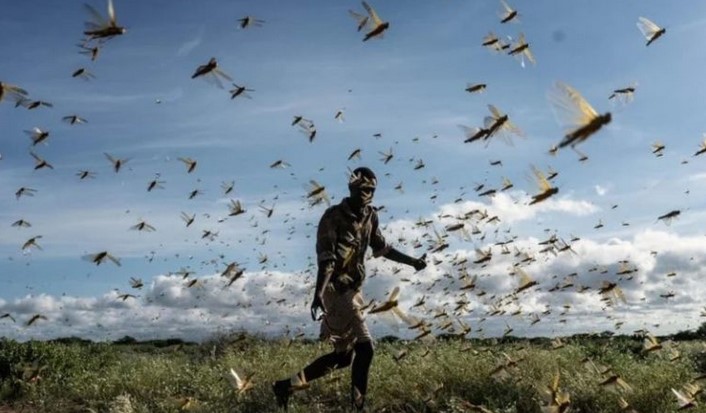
[{"x": 105, "y": 377}]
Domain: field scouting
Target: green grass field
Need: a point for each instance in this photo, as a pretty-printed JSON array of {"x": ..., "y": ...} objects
[{"x": 108, "y": 377}]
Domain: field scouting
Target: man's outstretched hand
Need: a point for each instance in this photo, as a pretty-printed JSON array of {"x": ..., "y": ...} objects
[
  {"x": 317, "y": 305},
  {"x": 420, "y": 263}
]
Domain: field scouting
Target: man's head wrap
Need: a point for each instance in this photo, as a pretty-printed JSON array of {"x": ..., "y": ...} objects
[{"x": 362, "y": 178}]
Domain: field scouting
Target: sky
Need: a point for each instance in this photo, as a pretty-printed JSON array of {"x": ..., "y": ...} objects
[{"x": 404, "y": 93}]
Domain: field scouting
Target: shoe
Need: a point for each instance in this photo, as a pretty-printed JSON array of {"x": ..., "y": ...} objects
[
  {"x": 359, "y": 408},
  {"x": 357, "y": 400},
  {"x": 359, "y": 404},
  {"x": 282, "y": 391}
]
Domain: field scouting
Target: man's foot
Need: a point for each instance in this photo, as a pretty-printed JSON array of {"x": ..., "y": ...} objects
[
  {"x": 358, "y": 402},
  {"x": 282, "y": 391},
  {"x": 359, "y": 408}
]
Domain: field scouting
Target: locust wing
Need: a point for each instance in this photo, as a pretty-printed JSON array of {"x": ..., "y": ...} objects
[
  {"x": 647, "y": 27},
  {"x": 571, "y": 109},
  {"x": 373, "y": 15}
]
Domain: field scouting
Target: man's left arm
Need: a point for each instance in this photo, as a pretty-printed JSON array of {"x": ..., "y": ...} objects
[
  {"x": 382, "y": 248},
  {"x": 398, "y": 256}
]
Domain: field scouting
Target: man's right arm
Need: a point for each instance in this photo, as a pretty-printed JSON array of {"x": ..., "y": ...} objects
[
  {"x": 326, "y": 258},
  {"x": 323, "y": 277}
]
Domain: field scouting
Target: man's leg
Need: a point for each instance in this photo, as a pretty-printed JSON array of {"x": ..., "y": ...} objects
[
  {"x": 318, "y": 368},
  {"x": 359, "y": 376},
  {"x": 363, "y": 354},
  {"x": 327, "y": 363}
]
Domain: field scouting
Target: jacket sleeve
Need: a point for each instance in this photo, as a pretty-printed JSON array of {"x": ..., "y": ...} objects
[
  {"x": 378, "y": 244},
  {"x": 326, "y": 237}
]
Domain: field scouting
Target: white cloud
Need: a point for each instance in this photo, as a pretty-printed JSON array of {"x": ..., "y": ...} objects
[
  {"x": 698, "y": 177},
  {"x": 270, "y": 302},
  {"x": 188, "y": 46},
  {"x": 514, "y": 207},
  {"x": 600, "y": 190}
]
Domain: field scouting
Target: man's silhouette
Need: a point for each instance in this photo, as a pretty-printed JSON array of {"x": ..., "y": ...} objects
[{"x": 344, "y": 233}]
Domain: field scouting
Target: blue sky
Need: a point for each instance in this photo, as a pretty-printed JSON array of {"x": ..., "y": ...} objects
[{"x": 307, "y": 59}]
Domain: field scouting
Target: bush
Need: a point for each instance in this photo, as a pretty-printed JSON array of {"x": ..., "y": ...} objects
[{"x": 139, "y": 377}]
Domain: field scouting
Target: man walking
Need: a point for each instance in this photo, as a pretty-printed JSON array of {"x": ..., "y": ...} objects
[{"x": 344, "y": 233}]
